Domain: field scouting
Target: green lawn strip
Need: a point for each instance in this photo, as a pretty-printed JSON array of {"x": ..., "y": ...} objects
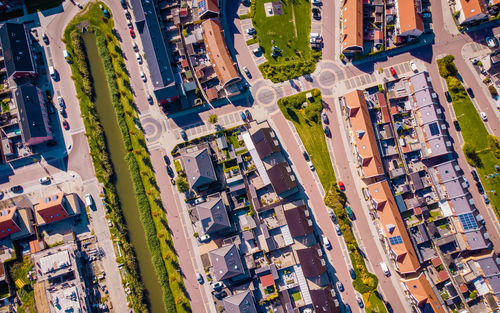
[
  {"x": 373, "y": 303},
  {"x": 310, "y": 132},
  {"x": 308, "y": 125},
  {"x": 18, "y": 270},
  {"x": 148, "y": 197},
  {"x": 296, "y": 58},
  {"x": 473, "y": 131}
]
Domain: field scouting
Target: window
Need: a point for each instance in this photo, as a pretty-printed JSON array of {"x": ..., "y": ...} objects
[{"x": 395, "y": 240}]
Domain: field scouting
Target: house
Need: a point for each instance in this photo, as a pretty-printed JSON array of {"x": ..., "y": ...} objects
[
  {"x": 490, "y": 270},
  {"x": 213, "y": 215},
  {"x": 199, "y": 168},
  {"x": 421, "y": 295},
  {"x": 218, "y": 53},
  {"x": 323, "y": 300},
  {"x": 352, "y": 26},
  {"x": 409, "y": 20},
  {"x": 156, "y": 51},
  {"x": 226, "y": 262},
  {"x": 17, "y": 53},
  {"x": 265, "y": 142},
  {"x": 15, "y": 222},
  {"x": 55, "y": 208},
  {"x": 208, "y": 8},
  {"x": 397, "y": 238},
  {"x": 298, "y": 220},
  {"x": 470, "y": 11},
  {"x": 33, "y": 117},
  {"x": 366, "y": 148},
  {"x": 242, "y": 302},
  {"x": 311, "y": 261},
  {"x": 282, "y": 179}
]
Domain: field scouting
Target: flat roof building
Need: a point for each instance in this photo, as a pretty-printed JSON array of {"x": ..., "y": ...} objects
[{"x": 16, "y": 46}]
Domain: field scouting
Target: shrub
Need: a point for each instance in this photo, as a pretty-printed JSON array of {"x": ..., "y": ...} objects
[
  {"x": 454, "y": 85},
  {"x": 178, "y": 166},
  {"x": 286, "y": 70},
  {"x": 212, "y": 119},
  {"x": 447, "y": 67},
  {"x": 487, "y": 80},
  {"x": 182, "y": 184},
  {"x": 493, "y": 90},
  {"x": 471, "y": 155}
]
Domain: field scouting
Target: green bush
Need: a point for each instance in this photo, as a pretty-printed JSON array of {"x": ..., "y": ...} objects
[
  {"x": 286, "y": 70},
  {"x": 182, "y": 184},
  {"x": 447, "y": 67},
  {"x": 471, "y": 155},
  {"x": 212, "y": 119},
  {"x": 494, "y": 146},
  {"x": 493, "y": 90},
  {"x": 455, "y": 86}
]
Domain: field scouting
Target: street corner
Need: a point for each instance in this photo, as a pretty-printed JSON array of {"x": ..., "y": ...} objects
[{"x": 266, "y": 95}]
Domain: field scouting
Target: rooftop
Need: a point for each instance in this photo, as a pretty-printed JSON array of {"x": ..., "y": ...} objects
[
  {"x": 352, "y": 25},
  {"x": 213, "y": 215},
  {"x": 16, "y": 49},
  {"x": 265, "y": 141},
  {"x": 199, "y": 167},
  {"x": 240, "y": 303},
  {"x": 422, "y": 292},
  {"x": 409, "y": 19},
  {"x": 311, "y": 260},
  {"x": 226, "y": 262},
  {"x": 282, "y": 178}
]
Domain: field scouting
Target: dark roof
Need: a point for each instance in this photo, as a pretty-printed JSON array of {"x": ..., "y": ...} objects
[
  {"x": 155, "y": 48},
  {"x": 16, "y": 49},
  {"x": 311, "y": 262},
  {"x": 282, "y": 178},
  {"x": 213, "y": 215},
  {"x": 240, "y": 303},
  {"x": 199, "y": 168},
  {"x": 226, "y": 262},
  {"x": 30, "y": 112},
  {"x": 265, "y": 142},
  {"x": 298, "y": 223},
  {"x": 323, "y": 301},
  {"x": 491, "y": 271},
  {"x": 208, "y": 8},
  {"x": 416, "y": 180}
]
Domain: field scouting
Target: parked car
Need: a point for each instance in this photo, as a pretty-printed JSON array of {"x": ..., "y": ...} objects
[
  {"x": 317, "y": 2},
  {"x": 475, "y": 61},
  {"x": 251, "y": 31},
  {"x": 221, "y": 295},
  {"x": 338, "y": 230},
  {"x": 347, "y": 308},
  {"x": 316, "y": 13},
  {"x": 16, "y": 189},
  {"x": 150, "y": 99},
  {"x": 131, "y": 31},
  {"x": 427, "y": 15},
  {"x": 65, "y": 124},
  {"x": 127, "y": 14},
  {"x": 79, "y": 5},
  {"x": 470, "y": 92},
  {"x": 340, "y": 287},
  {"x": 327, "y": 131},
  {"x": 134, "y": 46},
  {"x": 170, "y": 172},
  {"x": 44, "y": 180},
  {"x": 326, "y": 242},
  {"x": 199, "y": 278},
  {"x": 483, "y": 116},
  {"x": 62, "y": 111},
  {"x": 138, "y": 57},
  {"x": 243, "y": 116},
  {"x": 217, "y": 285},
  {"x": 393, "y": 71},
  {"x": 486, "y": 199},
  {"x": 247, "y": 113},
  {"x": 341, "y": 186},
  {"x": 492, "y": 42},
  {"x": 413, "y": 66},
  {"x": 480, "y": 187},
  {"x": 205, "y": 237},
  {"x": 60, "y": 102},
  {"x": 143, "y": 77},
  {"x": 247, "y": 72},
  {"x": 474, "y": 175},
  {"x": 360, "y": 301},
  {"x": 166, "y": 159},
  {"x": 465, "y": 183},
  {"x": 88, "y": 200},
  {"x": 183, "y": 135},
  {"x": 352, "y": 273},
  {"x": 447, "y": 95},
  {"x": 324, "y": 117},
  {"x": 45, "y": 39}
]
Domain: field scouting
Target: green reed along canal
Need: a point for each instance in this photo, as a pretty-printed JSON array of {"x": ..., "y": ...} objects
[{"x": 123, "y": 180}]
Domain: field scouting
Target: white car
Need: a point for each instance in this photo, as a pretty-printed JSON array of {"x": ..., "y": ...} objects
[
  {"x": 134, "y": 46},
  {"x": 205, "y": 237},
  {"x": 483, "y": 116},
  {"x": 217, "y": 285},
  {"x": 88, "y": 200},
  {"x": 326, "y": 242},
  {"x": 138, "y": 57},
  {"x": 44, "y": 180},
  {"x": 60, "y": 101},
  {"x": 311, "y": 166},
  {"x": 143, "y": 77},
  {"x": 413, "y": 66}
]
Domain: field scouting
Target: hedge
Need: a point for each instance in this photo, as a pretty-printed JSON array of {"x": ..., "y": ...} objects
[{"x": 280, "y": 72}]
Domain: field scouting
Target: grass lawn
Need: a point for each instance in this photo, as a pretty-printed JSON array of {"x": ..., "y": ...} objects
[
  {"x": 474, "y": 132},
  {"x": 19, "y": 271},
  {"x": 312, "y": 136},
  {"x": 296, "y": 296},
  {"x": 373, "y": 303},
  {"x": 287, "y": 35},
  {"x": 34, "y": 5}
]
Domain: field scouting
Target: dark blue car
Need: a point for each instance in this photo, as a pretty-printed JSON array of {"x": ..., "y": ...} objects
[{"x": 353, "y": 274}]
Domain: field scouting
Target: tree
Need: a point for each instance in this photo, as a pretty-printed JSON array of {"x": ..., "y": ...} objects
[
  {"x": 447, "y": 67},
  {"x": 471, "y": 155},
  {"x": 212, "y": 119},
  {"x": 454, "y": 84},
  {"x": 182, "y": 184}
]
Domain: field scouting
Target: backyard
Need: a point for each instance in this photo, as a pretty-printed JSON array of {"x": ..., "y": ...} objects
[
  {"x": 289, "y": 33},
  {"x": 474, "y": 132},
  {"x": 19, "y": 272}
]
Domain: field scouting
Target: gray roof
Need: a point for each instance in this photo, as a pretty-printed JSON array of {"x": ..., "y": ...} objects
[
  {"x": 476, "y": 240},
  {"x": 491, "y": 272},
  {"x": 30, "y": 113},
  {"x": 213, "y": 215},
  {"x": 155, "y": 48},
  {"x": 240, "y": 303},
  {"x": 199, "y": 168},
  {"x": 322, "y": 300},
  {"x": 311, "y": 262},
  {"x": 226, "y": 262},
  {"x": 16, "y": 49}
]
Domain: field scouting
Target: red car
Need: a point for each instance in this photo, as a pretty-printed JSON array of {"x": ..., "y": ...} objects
[
  {"x": 341, "y": 186},
  {"x": 393, "y": 71},
  {"x": 65, "y": 124},
  {"x": 132, "y": 34}
]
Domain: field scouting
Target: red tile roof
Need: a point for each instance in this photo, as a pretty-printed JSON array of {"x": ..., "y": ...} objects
[
  {"x": 8, "y": 225},
  {"x": 206, "y": 6},
  {"x": 352, "y": 25},
  {"x": 443, "y": 275},
  {"x": 421, "y": 291},
  {"x": 218, "y": 53},
  {"x": 51, "y": 208},
  {"x": 267, "y": 280},
  {"x": 472, "y": 8},
  {"x": 409, "y": 19},
  {"x": 436, "y": 262}
]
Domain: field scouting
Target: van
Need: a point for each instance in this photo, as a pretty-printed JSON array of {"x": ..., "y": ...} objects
[
  {"x": 88, "y": 199},
  {"x": 52, "y": 72},
  {"x": 385, "y": 269},
  {"x": 66, "y": 56}
]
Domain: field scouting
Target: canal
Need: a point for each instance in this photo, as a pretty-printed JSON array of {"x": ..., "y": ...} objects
[{"x": 123, "y": 180}]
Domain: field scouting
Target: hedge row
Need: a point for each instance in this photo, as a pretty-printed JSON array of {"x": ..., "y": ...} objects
[
  {"x": 81, "y": 58},
  {"x": 150, "y": 207},
  {"x": 280, "y": 72},
  {"x": 103, "y": 166}
]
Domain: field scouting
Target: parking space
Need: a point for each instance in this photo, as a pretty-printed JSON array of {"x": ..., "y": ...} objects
[
  {"x": 202, "y": 128},
  {"x": 245, "y": 26},
  {"x": 258, "y": 57}
]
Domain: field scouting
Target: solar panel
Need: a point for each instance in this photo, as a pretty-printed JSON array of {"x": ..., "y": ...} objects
[
  {"x": 468, "y": 221},
  {"x": 395, "y": 240}
]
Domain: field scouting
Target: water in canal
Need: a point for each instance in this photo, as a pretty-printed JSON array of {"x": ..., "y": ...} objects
[{"x": 123, "y": 180}]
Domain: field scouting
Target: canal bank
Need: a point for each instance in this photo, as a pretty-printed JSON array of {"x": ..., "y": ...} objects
[{"x": 122, "y": 178}]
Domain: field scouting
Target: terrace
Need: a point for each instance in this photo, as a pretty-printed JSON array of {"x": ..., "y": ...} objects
[
  {"x": 283, "y": 258},
  {"x": 273, "y": 218},
  {"x": 287, "y": 279}
]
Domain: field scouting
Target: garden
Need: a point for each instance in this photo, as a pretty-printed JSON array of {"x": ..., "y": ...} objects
[
  {"x": 481, "y": 149},
  {"x": 306, "y": 117},
  {"x": 284, "y": 38},
  {"x": 151, "y": 211}
]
